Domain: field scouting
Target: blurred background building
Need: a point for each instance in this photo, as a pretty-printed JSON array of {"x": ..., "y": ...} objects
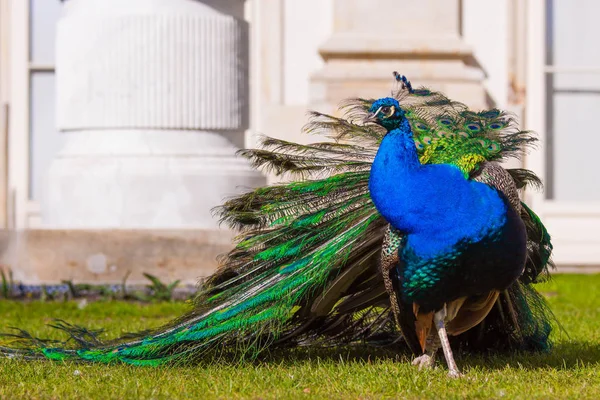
[{"x": 120, "y": 118}]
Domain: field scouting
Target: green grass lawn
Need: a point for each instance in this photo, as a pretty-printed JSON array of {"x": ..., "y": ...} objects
[{"x": 571, "y": 370}]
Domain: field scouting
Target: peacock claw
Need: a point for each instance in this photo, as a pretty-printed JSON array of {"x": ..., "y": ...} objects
[
  {"x": 424, "y": 361},
  {"x": 454, "y": 374}
]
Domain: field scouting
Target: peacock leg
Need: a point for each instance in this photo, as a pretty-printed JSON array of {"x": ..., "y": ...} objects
[
  {"x": 427, "y": 360},
  {"x": 439, "y": 321}
]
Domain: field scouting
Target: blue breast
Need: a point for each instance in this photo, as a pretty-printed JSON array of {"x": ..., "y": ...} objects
[{"x": 461, "y": 237}]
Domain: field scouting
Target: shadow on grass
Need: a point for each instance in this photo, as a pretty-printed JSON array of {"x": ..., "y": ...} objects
[{"x": 567, "y": 355}]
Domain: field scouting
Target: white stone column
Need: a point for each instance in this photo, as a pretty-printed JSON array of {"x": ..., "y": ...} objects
[
  {"x": 153, "y": 100},
  {"x": 419, "y": 38}
]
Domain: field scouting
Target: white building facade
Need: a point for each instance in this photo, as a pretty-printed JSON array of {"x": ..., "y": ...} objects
[{"x": 126, "y": 115}]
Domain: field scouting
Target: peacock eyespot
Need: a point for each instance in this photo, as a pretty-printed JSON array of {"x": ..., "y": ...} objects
[
  {"x": 426, "y": 140},
  {"x": 464, "y": 134},
  {"x": 421, "y": 127},
  {"x": 497, "y": 125},
  {"x": 419, "y": 145},
  {"x": 494, "y": 147},
  {"x": 473, "y": 127},
  {"x": 490, "y": 113}
]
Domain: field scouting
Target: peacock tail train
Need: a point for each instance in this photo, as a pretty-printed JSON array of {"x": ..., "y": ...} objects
[{"x": 305, "y": 269}]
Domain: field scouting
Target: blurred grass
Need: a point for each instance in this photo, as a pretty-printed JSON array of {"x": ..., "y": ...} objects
[{"x": 571, "y": 370}]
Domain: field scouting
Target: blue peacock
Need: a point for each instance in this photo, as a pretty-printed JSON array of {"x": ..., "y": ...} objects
[{"x": 401, "y": 226}]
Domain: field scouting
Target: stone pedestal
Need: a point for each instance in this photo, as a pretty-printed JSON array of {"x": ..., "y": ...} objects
[
  {"x": 419, "y": 38},
  {"x": 153, "y": 100}
]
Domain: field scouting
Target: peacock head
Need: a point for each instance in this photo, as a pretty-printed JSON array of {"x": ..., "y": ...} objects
[{"x": 387, "y": 113}]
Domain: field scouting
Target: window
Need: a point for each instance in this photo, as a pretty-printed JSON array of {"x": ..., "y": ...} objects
[
  {"x": 572, "y": 100},
  {"x": 563, "y": 79},
  {"x": 44, "y": 139},
  {"x": 29, "y": 38}
]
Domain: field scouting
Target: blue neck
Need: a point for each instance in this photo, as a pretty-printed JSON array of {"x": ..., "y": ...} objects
[
  {"x": 393, "y": 183},
  {"x": 398, "y": 150}
]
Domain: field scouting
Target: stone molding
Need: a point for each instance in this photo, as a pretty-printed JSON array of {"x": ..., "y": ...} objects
[{"x": 346, "y": 45}]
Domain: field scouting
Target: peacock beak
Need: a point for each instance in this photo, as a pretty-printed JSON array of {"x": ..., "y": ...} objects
[{"x": 372, "y": 116}]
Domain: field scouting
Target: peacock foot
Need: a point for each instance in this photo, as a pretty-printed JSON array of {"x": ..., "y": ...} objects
[
  {"x": 424, "y": 361},
  {"x": 454, "y": 374}
]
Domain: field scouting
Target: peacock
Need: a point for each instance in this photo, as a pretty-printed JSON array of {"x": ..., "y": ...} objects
[{"x": 400, "y": 227}]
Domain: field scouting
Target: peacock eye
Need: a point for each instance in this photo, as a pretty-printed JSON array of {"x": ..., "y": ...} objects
[{"x": 388, "y": 111}]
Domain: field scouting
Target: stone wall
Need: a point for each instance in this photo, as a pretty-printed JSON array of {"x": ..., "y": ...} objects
[{"x": 153, "y": 99}]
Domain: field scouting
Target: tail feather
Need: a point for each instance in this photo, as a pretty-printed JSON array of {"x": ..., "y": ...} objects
[
  {"x": 299, "y": 251},
  {"x": 519, "y": 321},
  {"x": 539, "y": 247}
]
